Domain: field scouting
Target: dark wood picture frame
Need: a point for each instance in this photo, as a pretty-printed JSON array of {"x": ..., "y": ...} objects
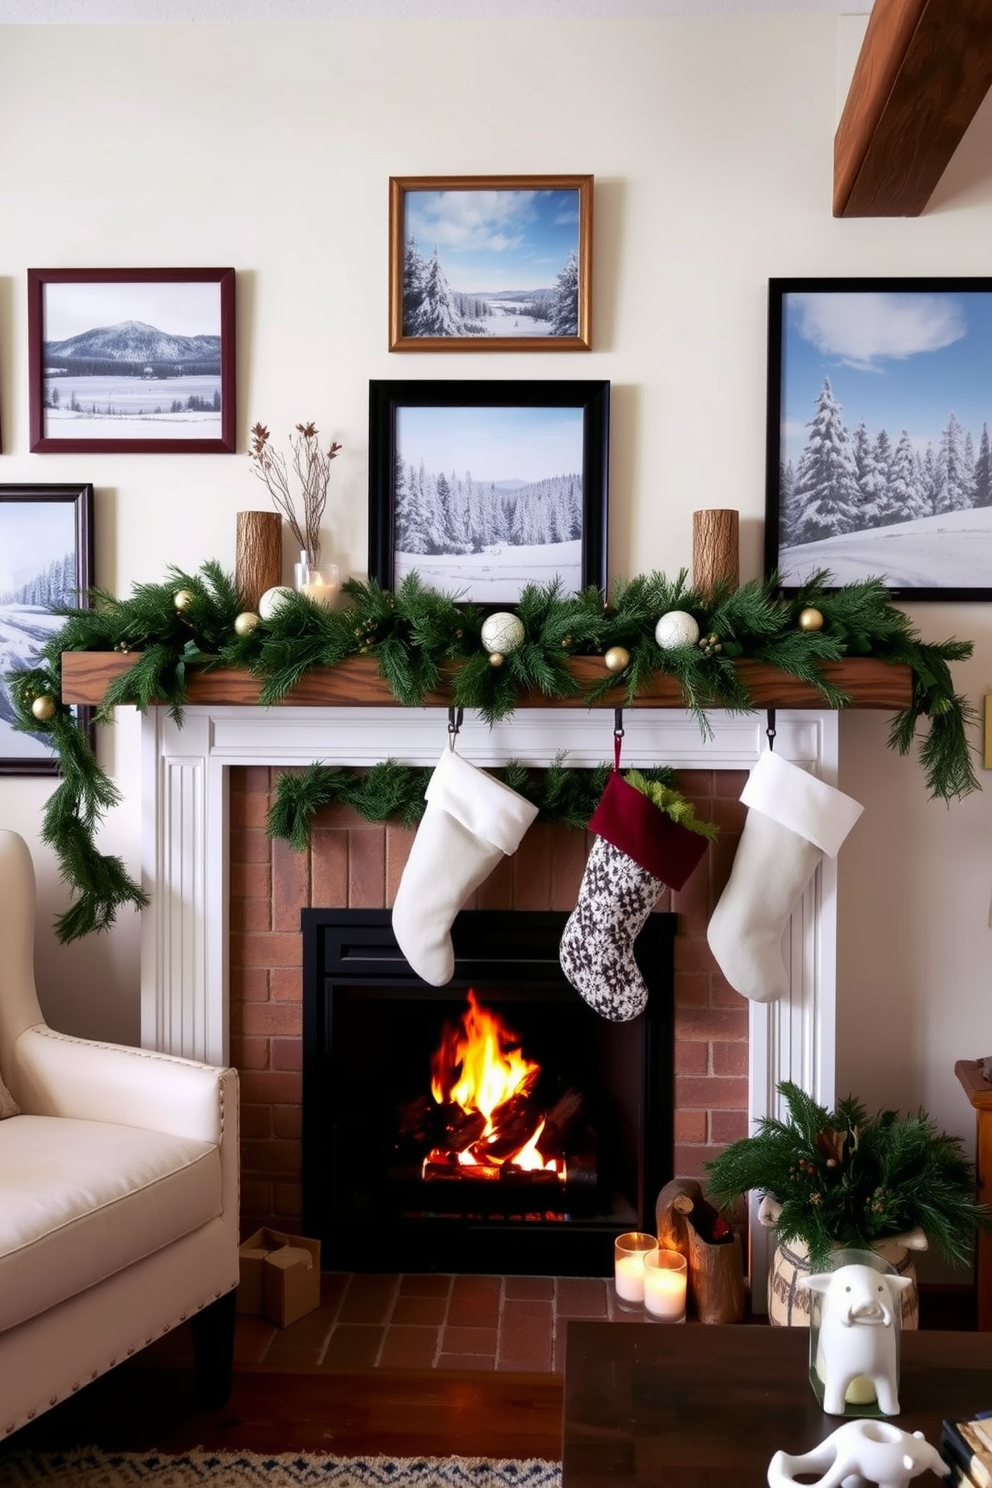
[
  {"x": 88, "y": 302},
  {"x": 518, "y": 224},
  {"x": 888, "y": 383},
  {"x": 23, "y": 533},
  {"x": 523, "y": 421}
]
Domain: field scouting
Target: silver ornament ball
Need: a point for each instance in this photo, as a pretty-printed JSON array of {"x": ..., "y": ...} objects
[
  {"x": 502, "y": 632},
  {"x": 677, "y": 628}
]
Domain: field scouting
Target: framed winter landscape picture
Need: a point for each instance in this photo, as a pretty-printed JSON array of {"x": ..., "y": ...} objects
[
  {"x": 879, "y": 457},
  {"x": 481, "y": 488},
  {"x": 46, "y": 559},
  {"x": 490, "y": 263},
  {"x": 140, "y": 360}
]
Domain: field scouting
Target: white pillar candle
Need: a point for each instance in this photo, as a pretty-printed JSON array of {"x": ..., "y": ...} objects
[
  {"x": 321, "y": 584},
  {"x": 628, "y": 1265},
  {"x": 665, "y": 1285}
]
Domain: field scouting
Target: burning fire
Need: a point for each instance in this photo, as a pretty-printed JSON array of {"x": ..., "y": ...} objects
[{"x": 479, "y": 1068}]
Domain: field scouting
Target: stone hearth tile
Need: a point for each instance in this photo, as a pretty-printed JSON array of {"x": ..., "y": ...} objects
[
  {"x": 455, "y": 1340},
  {"x": 252, "y": 1338},
  {"x": 481, "y": 1362},
  {"x": 582, "y": 1296},
  {"x": 539, "y": 1288},
  {"x": 425, "y": 1312},
  {"x": 525, "y": 1335},
  {"x": 369, "y": 1299},
  {"x": 352, "y": 1347},
  {"x": 408, "y": 1348},
  {"x": 423, "y": 1284},
  {"x": 474, "y": 1301},
  {"x": 333, "y": 1285},
  {"x": 304, "y": 1341}
]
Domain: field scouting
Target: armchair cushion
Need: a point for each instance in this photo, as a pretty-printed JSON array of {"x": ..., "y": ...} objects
[
  {"x": 8, "y": 1105},
  {"x": 82, "y": 1200}
]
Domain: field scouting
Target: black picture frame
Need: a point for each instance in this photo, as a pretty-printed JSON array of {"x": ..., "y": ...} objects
[
  {"x": 893, "y": 380},
  {"x": 517, "y": 433},
  {"x": 37, "y": 522},
  {"x": 103, "y": 376},
  {"x": 490, "y": 263}
]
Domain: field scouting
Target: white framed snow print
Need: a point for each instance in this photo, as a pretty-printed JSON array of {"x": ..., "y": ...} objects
[
  {"x": 136, "y": 360},
  {"x": 481, "y": 488},
  {"x": 46, "y": 561},
  {"x": 879, "y": 460},
  {"x": 490, "y": 263}
]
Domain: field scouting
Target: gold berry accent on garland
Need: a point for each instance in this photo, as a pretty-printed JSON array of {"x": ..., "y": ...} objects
[
  {"x": 496, "y": 658},
  {"x": 183, "y": 598},
  {"x": 710, "y": 645},
  {"x": 43, "y": 708},
  {"x": 810, "y": 619},
  {"x": 616, "y": 659},
  {"x": 246, "y": 622}
]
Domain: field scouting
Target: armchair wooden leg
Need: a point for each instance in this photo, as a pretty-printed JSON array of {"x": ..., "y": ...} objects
[{"x": 212, "y": 1333}]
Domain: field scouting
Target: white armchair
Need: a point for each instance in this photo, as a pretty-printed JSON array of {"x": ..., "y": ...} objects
[{"x": 118, "y": 1192}]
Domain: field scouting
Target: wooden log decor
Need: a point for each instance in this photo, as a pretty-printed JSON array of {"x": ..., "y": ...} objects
[
  {"x": 715, "y": 549},
  {"x": 688, "y": 1223},
  {"x": 258, "y": 555}
]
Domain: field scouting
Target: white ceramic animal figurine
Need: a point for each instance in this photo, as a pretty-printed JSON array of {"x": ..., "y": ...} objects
[
  {"x": 872, "y": 1451},
  {"x": 858, "y": 1336}
]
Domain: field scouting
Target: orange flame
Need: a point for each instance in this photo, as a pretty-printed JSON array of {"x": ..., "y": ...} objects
[{"x": 479, "y": 1066}]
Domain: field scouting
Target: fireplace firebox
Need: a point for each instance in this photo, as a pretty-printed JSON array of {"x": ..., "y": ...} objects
[{"x": 496, "y": 1124}]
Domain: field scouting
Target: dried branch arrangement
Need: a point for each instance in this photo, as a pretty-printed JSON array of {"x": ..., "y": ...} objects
[{"x": 312, "y": 467}]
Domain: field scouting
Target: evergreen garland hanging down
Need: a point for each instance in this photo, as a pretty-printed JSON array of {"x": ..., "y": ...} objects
[{"x": 424, "y": 640}]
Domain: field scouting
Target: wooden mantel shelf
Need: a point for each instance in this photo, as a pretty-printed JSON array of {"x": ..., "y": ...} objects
[{"x": 869, "y": 683}]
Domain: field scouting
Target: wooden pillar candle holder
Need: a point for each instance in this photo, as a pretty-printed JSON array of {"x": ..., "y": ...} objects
[
  {"x": 715, "y": 549},
  {"x": 258, "y": 555}
]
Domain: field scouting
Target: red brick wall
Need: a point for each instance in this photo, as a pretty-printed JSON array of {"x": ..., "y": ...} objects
[{"x": 352, "y": 864}]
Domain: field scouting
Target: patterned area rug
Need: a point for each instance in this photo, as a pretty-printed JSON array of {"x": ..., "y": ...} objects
[{"x": 90, "y": 1468}]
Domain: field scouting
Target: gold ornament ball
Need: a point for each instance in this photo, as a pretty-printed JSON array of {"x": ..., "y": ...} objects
[
  {"x": 43, "y": 708},
  {"x": 617, "y": 658},
  {"x": 245, "y": 623},
  {"x": 183, "y": 598},
  {"x": 810, "y": 619},
  {"x": 496, "y": 658}
]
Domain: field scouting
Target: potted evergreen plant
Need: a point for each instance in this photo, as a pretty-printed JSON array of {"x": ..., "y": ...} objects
[{"x": 847, "y": 1179}]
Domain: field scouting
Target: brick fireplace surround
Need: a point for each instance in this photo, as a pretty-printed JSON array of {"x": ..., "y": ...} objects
[{"x": 352, "y": 864}]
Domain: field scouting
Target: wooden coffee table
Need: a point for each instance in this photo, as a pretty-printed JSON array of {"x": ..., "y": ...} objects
[{"x": 707, "y": 1407}]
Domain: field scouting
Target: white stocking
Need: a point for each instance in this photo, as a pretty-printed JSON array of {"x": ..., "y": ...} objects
[
  {"x": 793, "y": 820},
  {"x": 471, "y": 822}
]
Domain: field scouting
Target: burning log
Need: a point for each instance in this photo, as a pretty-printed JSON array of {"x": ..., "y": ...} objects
[
  {"x": 462, "y": 1128},
  {"x": 514, "y": 1123},
  {"x": 558, "y": 1122},
  {"x": 414, "y": 1120}
]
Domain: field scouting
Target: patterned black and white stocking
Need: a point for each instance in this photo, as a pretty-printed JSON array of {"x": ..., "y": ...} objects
[{"x": 597, "y": 945}]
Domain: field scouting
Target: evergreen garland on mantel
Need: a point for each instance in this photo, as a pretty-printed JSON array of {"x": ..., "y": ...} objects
[{"x": 423, "y": 639}]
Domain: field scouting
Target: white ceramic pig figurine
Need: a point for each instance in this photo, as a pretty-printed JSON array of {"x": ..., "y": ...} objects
[
  {"x": 858, "y": 1334},
  {"x": 869, "y": 1451}
]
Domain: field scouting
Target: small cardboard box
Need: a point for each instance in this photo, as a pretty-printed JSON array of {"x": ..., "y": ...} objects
[{"x": 279, "y": 1276}]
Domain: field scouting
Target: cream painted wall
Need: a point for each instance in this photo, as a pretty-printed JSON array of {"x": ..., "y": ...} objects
[{"x": 268, "y": 147}]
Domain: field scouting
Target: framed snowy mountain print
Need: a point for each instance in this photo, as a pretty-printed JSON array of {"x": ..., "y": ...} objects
[
  {"x": 879, "y": 460},
  {"x": 46, "y": 560},
  {"x": 490, "y": 263},
  {"x": 481, "y": 488},
  {"x": 140, "y": 360}
]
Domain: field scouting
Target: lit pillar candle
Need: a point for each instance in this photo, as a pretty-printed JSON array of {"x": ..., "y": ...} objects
[
  {"x": 321, "y": 584},
  {"x": 628, "y": 1267},
  {"x": 664, "y": 1280}
]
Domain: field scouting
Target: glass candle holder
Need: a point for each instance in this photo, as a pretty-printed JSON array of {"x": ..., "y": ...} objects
[
  {"x": 864, "y": 1304},
  {"x": 665, "y": 1278},
  {"x": 629, "y": 1253},
  {"x": 318, "y": 581}
]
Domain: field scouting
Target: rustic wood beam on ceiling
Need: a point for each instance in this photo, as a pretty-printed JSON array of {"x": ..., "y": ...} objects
[{"x": 924, "y": 68}]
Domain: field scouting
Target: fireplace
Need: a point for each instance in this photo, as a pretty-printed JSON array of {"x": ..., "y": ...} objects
[{"x": 496, "y": 1124}]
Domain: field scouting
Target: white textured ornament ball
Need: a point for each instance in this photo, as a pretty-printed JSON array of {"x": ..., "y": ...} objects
[
  {"x": 43, "y": 708},
  {"x": 502, "y": 632},
  {"x": 273, "y": 600},
  {"x": 246, "y": 622},
  {"x": 677, "y": 628}
]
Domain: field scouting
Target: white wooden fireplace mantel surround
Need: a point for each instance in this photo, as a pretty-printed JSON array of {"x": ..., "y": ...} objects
[{"x": 184, "y": 1007}]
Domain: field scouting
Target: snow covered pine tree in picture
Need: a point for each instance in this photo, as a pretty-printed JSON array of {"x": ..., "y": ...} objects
[
  {"x": 879, "y": 454},
  {"x": 481, "y": 488},
  {"x": 495, "y": 262}
]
